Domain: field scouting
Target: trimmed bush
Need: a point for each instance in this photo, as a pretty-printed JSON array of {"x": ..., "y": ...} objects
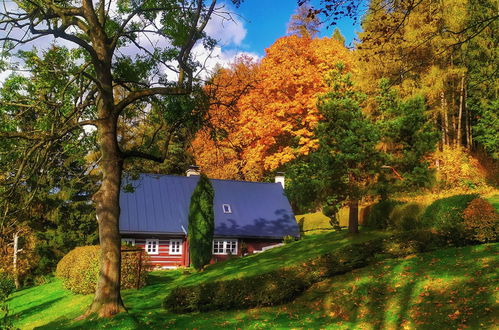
[
  {"x": 406, "y": 217},
  {"x": 481, "y": 221},
  {"x": 201, "y": 223},
  {"x": 79, "y": 269},
  {"x": 378, "y": 215},
  {"x": 285, "y": 284},
  {"x": 446, "y": 215}
]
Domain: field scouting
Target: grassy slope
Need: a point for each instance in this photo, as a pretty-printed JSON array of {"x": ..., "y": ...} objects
[
  {"x": 443, "y": 289},
  {"x": 40, "y": 305},
  {"x": 494, "y": 200},
  {"x": 319, "y": 220}
]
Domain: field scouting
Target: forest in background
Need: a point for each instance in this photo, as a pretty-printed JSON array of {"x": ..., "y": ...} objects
[{"x": 412, "y": 106}]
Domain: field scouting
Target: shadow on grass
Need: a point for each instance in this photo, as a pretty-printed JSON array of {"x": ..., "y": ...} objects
[
  {"x": 40, "y": 308},
  {"x": 447, "y": 289}
]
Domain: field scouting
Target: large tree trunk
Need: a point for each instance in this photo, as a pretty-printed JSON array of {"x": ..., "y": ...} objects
[
  {"x": 353, "y": 215},
  {"x": 107, "y": 300}
]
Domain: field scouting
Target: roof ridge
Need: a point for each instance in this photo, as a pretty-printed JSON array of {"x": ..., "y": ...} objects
[{"x": 187, "y": 177}]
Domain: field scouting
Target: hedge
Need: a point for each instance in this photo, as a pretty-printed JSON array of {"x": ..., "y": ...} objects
[
  {"x": 446, "y": 216},
  {"x": 285, "y": 284},
  {"x": 79, "y": 269}
]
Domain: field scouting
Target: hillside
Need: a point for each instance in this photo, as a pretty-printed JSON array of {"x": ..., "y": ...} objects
[
  {"x": 393, "y": 293},
  {"x": 317, "y": 222}
]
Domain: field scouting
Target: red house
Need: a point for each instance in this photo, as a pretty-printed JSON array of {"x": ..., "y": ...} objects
[{"x": 249, "y": 216}]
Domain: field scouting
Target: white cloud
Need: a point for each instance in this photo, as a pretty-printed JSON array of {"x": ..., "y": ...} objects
[
  {"x": 217, "y": 57},
  {"x": 226, "y": 29}
]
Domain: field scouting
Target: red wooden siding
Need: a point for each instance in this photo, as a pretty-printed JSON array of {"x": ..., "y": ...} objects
[
  {"x": 163, "y": 258},
  {"x": 252, "y": 245}
]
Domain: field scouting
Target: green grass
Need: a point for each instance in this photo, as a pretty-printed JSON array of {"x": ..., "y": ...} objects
[
  {"x": 494, "y": 200},
  {"x": 444, "y": 289}
]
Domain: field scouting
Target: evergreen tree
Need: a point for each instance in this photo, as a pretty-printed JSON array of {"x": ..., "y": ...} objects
[
  {"x": 408, "y": 137},
  {"x": 201, "y": 223},
  {"x": 347, "y": 161},
  {"x": 338, "y": 36}
]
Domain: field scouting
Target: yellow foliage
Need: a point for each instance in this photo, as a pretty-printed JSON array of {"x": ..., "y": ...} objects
[
  {"x": 456, "y": 168},
  {"x": 272, "y": 120}
]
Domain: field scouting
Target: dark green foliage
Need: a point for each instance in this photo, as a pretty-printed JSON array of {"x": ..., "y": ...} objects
[
  {"x": 303, "y": 184},
  {"x": 409, "y": 134},
  {"x": 406, "y": 216},
  {"x": 201, "y": 223},
  {"x": 7, "y": 286},
  {"x": 378, "y": 215},
  {"x": 446, "y": 215},
  {"x": 285, "y": 284},
  {"x": 347, "y": 159},
  {"x": 331, "y": 210}
]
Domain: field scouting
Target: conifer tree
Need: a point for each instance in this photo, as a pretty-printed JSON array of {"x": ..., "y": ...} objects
[{"x": 201, "y": 223}]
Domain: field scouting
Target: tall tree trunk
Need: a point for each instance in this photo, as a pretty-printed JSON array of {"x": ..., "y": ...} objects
[
  {"x": 14, "y": 261},
  {"x": 468, "y": 119},
  {"x": 353, "y": 215},
  {"x": 445, "y": 120},
  {"x": 107, "y": 300},
  {"x": 460, "y": 114}
]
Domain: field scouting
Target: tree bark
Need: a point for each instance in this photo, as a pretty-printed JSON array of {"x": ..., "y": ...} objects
[
  {"x": 353, "y": 215},
  {"x": 14, "y": 261},
  {"x": 460, "y": 114},
  {"x": 107, "y": 300},
  {"x": 445, "y": 123}
]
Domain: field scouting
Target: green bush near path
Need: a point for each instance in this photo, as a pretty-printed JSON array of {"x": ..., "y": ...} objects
[{"x": 284, "y": 284}]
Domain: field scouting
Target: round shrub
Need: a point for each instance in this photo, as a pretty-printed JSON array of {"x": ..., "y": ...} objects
[
  {"x": 481, "y": 221},
  {"x": 79, "y": 269},
  {"x": 446, "y": 215},
  {"x": 378, "y": 215},
  {"x": 406, "y": 217}
]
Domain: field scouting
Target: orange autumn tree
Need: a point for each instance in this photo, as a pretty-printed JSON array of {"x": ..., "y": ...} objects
[
  {"x": 218, "y": 146},
  {"x": 273, "y": 117}
]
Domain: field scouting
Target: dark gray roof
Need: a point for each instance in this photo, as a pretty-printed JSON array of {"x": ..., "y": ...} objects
[{"x": 160, "y": 204}]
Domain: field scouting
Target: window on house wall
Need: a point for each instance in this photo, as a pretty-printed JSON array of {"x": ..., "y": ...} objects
[
  {"x": 128, "y": 241},
  {"x": 224, "y": 246},
  {"x": 226, "y": 208},
  {"x": 175, "y": 246},
  {"x": 152, "y": 246}
]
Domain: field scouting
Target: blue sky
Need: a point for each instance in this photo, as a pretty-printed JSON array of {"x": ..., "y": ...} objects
[{"x": 265, "y": 21}]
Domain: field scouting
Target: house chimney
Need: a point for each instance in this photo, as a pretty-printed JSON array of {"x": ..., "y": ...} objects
[
  {"x": 279, "y": 178},
  {"x": 192, "y": 170}
]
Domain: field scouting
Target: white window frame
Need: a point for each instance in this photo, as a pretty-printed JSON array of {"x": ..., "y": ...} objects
[
  {"x": 129, "y": 241},
  {"x": 179, "y": 250},
  {"x": 154, "y": 242},
  {"x": 225, "y": 242},
  {"x": 229, "y": 209}
]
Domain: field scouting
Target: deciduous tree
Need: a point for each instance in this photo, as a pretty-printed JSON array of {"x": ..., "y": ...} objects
[{"x": 162, "y": 35}]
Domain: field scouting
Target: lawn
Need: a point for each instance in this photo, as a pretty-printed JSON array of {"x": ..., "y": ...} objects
[
  {"x": 447, "y": 287},
  {"x": 494, "y": 200}
]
